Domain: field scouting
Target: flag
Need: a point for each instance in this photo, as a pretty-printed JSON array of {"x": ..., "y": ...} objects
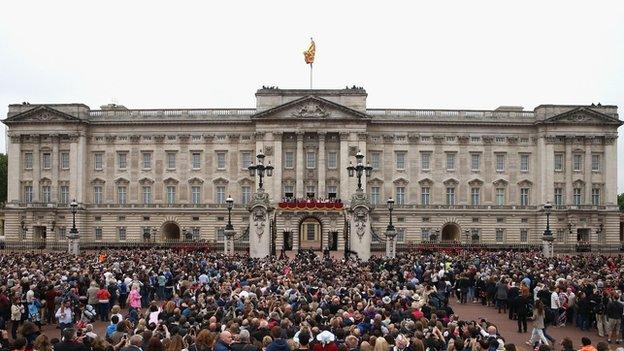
[{"x": 308, "y": 55}]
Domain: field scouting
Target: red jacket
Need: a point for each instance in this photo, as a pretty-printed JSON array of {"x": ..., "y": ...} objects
[{"x": 327, "y": 347}]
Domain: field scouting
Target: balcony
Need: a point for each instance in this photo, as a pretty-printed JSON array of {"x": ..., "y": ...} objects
[{"x": 311, "y": 204}]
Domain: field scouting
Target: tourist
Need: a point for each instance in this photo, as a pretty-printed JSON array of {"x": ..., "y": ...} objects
[
  {"x": 537, "y": 335},
  {"x": 587, "y": 346}
]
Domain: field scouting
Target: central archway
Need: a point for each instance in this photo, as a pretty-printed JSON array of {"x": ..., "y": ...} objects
[
  {"x": 170, "y": 231},
  {"x": 310, "y": 234},
  {"x": 450, "y": 232}
]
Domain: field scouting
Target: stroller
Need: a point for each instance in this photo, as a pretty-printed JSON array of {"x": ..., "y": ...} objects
[{"x": 88, "y": 314}]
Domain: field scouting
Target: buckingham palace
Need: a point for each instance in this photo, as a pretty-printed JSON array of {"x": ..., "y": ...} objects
[{"x": 164, "y": 175}]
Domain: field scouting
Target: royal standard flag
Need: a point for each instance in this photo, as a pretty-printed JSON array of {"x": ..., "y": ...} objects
[{"x": 308, "y": 55}]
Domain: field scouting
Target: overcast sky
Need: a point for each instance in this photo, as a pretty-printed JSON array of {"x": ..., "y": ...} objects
[{"x": 434, "y": 54}]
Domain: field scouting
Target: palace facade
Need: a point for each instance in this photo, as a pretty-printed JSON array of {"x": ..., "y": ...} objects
[{"x": 466, "y": 176}]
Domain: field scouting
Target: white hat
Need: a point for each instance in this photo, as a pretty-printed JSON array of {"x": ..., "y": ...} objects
[
  {"x": 386, "y": 299},
  {"x": 325, "y": 337}
]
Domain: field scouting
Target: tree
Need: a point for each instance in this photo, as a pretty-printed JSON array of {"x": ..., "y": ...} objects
[{"x": 621, "y": 202}]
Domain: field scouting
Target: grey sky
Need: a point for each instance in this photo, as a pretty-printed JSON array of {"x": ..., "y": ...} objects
[{"x": 434, "y": 54}]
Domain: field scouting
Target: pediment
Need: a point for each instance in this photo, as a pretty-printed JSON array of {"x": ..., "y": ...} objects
[
  {"x": 582, "y": 115},
  {"x": 42, "y": 114},
  {"x": 400, "y": 181},
  {"x": 311, "y": 108}
]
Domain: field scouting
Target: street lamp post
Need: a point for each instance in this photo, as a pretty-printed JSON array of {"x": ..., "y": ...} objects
[
  {"x": 391, "y": 232},
  {"x": 260, "y": 169},
  {"x": 359, "y": 169},
  {"x": 154, "y": 233},
  {"x": 228, "y": 246},
  {"x": 547, "y": 238},
  {"x": 73, "y": 237},
  {"x": 467, "y": 234}
]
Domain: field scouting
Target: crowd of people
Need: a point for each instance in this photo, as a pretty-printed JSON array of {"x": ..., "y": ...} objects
[{"x": 174, "y": 300}]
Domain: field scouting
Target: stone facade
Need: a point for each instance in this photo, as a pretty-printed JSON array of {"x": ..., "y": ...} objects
[{"x": 151, "y": 174}]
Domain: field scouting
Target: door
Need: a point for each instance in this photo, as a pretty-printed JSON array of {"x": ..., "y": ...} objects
[
  {"x": 333, "y": 241},
  {"x": 288, "y": 241},
  {"x": 310, "y": 234}
]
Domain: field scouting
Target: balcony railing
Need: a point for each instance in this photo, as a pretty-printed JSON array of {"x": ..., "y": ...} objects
[
  {"x": 199, "y": 112},
  {"x": 455, "y": 114},
  {"x": 99, "y": 245},
  {"x": 311, "y": 204}
]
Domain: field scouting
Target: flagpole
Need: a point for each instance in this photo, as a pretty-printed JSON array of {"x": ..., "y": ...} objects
[{"x": 310, "y": 76}]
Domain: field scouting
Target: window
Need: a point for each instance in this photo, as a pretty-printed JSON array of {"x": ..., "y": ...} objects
[
  {"x": 424, "y": 195},
  {"x": 147, "y": 194},
  {"x": 122, "y": 160},
  {"x": 246, "y": 194},
  {"x": 558, "y": 196},
  {"x": 475, "y": 196},
  {"x": 375, "y": 195},
  {"x": 400, "y": 238},
  {"x": 147, "y": 233},
  {"x": 500, "y": 220},
  {"x": 500, "y": 162},
  {"x": 28, "y": 160},
  {"x": 220, "y": 234},
  {"x": 558, "y": 162},
  {"x": 310, "y": 231},
  {"x": 596, "y": 196},
  {"x": 332, "y": 191},
  {"x": 500, "y": 196},
  {"x": 121, "y": 195},
  {"x": 424, "y": 234},
  {"x": 171, "y": 160},
  {"x": 311, "y": 190},
  {"x": 196, "y": 160},
  {"x": 46, "y": 160},
  {"x": 425, "y": 161},
  {"x": 289, "y": 191},
  {"x": 426, "y": 219},
  {"x": 524, "y": 196},
  {"x": 450, "y": 195},
  {"x": 400, "y": 160},
  {"x": 560, "y": 234},
  {"x": 289, "y": 160},
  {"x": 98, "y": 161},
  {"x": 311, "y": 160},
  {"x": 28, "y": 193},
  {"x": 64, "y": 195},
  {"x": 524, "y": 235},
  {"x": 196, "y": 194},
  {"x": 475, "y": 161},
  {"x": 122, "y": 233},
  {"x": 577, "y": 162},
  {"x": 64, "y": 160},
  {"x": 46, "y": 194},
  {"x": 97, "y": 194},
  {"x": 376, "y": 159},
  {"x": 595, "y": 163},
  {"x": 147, "y": 160},
  {"x": 524, "y": 220},
  {"x": 171, "y": 194},
  {"x": 220, "y": 194},
  {"x": 196, "y": 234},
  {"x": 98, "y": 233},
  {"x": 500, "y": 235},
  {"x": 524, "y": 163},
  {"x": 577, "y": 196},
  {"x": 400, "y": 195},
  {"x": 332, "y": 160},
  {"x": 220, "y": 160},
  {"x": 450, "y": 161},
  {"x": 245, "y": 159}
]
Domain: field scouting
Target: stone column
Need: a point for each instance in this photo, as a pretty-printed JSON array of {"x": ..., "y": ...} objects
[
  {"x": 360, "y": 230},
  {"x": 269, "y": 151},
  {"x": 56, "y": 165},
  {"x": 568, "y": 171},
  {"x": 300, "y": 166},
  {"x": 343, "y": 162},
  {"x": 14, "y": 170},
  {"x": 321, "y": 191},
  {"x": 277, "y": 172},
  {"x": 610, "y": 171},
  {"x": 36, "y": 171},
  {"x": 587, "y": 173},
  {"x": 260, "y": 225}
]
